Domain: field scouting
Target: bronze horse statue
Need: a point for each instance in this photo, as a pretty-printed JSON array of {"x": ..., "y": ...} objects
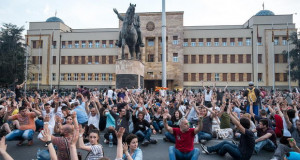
[{"x": 129, "y": 35}]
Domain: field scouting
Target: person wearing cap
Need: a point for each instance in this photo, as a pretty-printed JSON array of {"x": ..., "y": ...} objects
[{"x": 255, "y": 102}]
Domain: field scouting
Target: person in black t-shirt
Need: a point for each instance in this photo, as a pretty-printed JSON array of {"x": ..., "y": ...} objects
[
  {"x": 246, "y": 146},
  {"x": 142, "y": 129},
  {"x": 18, "y": 92}
]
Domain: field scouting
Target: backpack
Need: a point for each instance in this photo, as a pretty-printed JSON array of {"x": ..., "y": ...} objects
[{"x": 251, "y": 94}]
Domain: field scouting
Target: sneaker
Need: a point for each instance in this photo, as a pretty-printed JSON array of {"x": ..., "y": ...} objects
[
  {"x": 30, "y": 143},
  {"x": 153, "y": 141},
  {"x": 145, "y": 143},
  {"x": 20, "y": 143},
  {"x": 203, "y": 141},
  {"x": 166, "y": 139},
  {"x": 204, "y": 148}
]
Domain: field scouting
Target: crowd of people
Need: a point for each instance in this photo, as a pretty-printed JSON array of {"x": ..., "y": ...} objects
[{"x": 247, "y": 121}]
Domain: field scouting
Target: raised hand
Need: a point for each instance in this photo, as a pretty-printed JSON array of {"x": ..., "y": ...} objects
[
  {"x": 46, "y": 134},
  {"x": 120, "y": 133}
]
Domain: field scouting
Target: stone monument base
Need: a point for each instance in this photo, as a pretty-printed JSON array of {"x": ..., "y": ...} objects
[{"x": 129, "y": 73}]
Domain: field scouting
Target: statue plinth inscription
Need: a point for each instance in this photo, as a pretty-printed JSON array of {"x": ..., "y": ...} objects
[{"x": 129, "y": 73}]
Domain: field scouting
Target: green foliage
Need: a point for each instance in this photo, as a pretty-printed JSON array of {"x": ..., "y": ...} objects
[{"x": 12, "y": 53}]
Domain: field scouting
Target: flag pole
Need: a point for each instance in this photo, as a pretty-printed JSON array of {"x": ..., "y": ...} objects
[
  {"x": 38, "y": 85},
  {"x": 163, "y": 28},
  {"x": 257, "y": 57},
  {"x": 273, "y": 59},
  {"x": 288, "y": 56},
  {"x": 26, "y": 65},
  {"x": 51, "y": 60}
]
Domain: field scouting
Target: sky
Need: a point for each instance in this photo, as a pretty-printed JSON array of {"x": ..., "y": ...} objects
[{"x": 80, "y": 14}]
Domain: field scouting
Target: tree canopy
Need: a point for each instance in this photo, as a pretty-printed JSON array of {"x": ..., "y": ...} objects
[{"x": 12, "y": 53}]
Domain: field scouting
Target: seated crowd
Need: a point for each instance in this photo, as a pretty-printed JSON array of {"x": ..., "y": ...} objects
[{"x": 247, "y": 121}]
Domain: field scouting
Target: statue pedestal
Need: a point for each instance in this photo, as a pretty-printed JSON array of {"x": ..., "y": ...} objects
[{"x": 129, "y": 73}]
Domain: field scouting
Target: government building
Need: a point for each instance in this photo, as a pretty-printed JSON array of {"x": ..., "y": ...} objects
[{"x": 65, "y": 57}]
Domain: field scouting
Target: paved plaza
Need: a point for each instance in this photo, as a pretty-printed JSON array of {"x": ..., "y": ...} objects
[{"x": 157, "y": 151}]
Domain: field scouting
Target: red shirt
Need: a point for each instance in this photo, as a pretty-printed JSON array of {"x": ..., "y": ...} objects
[{"x": 184, "y": 141}]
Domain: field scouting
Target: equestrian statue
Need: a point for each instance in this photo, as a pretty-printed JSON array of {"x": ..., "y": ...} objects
[{"x": 130, "y": 33}]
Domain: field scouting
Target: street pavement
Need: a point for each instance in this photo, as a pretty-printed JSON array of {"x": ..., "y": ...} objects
[{"x": 157, "y": 151}]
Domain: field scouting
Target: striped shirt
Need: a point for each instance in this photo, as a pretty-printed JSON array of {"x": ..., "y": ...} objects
[{"x": 96, "y": 152}]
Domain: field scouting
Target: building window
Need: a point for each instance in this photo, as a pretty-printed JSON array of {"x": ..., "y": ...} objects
[
  {"x": 248, "y": 58},
  {"x": 185, "y": 77},
  {"x": 216, "y": 58},
  {"x": 110, "y": 59},
  {"x": 175, "y": 57},
  {"x": 259, "y": 58},
  {"x": 33, "y": 59},
  {"x": 185, "y": 42},
  {"x": 76, "y": 44},
  {"x": 62, "y": 77},
  {"x": 83, "y": 44},
  {"x": 33, "y": 44},
  {"x": 200, "y": 43},
  {"x": 284, "y": 41},
  {"x": 186, "y": 59},
  {"x": 76, "y": 76},
  {"x": 54, "y": 60},
  {"x": 110, "y": 77},
  {"x": 89, "y": 76},
  {"x": 40, "y": 76},
  {"x": 53, "y": 76},
  {"x": 200, "y": 76},
  {"x": 69, "y": 44},
  {"x": 240, "y": 58},
  {"x": 224, "y": 58},
  {"x": 193, "y": 44},
  {"x": 232, "y": 43},
  {"x": 63, "y": 44},
  {"x": 217, "y": 77},
  {"x": 276, "y": 58},
  {"x": 54, "y": 44},
  {"x": 232, "y": 77},
  {"x": 69, "y": 76},
  {"x": 200, "y": 58},
  {"x": 90, "y": 44},
  {"x": 259, "y": 77},
  {"x": 96, "y": 76},
  {"x": 240, "y": 77},
  {"x": 248, "y": 77},
  {"x": 69, "y": 59},
  {"x": 208, "y": 42},
  {"x": 276, "y": 41},
  {"x": 225, "y": 77},
  {"x": 150, "y": 42},
  {"x": 248, "y": 41},
  {"x": 33, "y": 77},
  {"x": 63, "y": 59},
  {"x": 285, "y": 77},
  {"x": 240, "y": 41},
  {"x": 103, "y": 43},
  {"x": 175, "y": 40},
  {"x": 224, "y": 41},
  {"x": 208, "y": 58},
  {"x": 208, "y": 76},
  {"x": 96, "y": 59},
  {"x": 259, "y": 41},
  {"x": 82, "y": 59},
  {"x": 97, "y": 44},
  {"x": 150, "y": 57},
  {"x": 193, "y": 77},
  {"x": 193, "y": 59},
  {"x": 232, "y": 58},
  {"x": 76, "y": 59},
  {"x": 216, "y": 40},
  {"x": 277, "y": 77},
  {"x": 103, "y": 77},
  {"x": 89, "y": 59},
  {"x": 103, "y": 59},
  {"x": 83, "y": 76},
  {"x": 285, "y": 58},
  {"x": 111, "y": 43}
]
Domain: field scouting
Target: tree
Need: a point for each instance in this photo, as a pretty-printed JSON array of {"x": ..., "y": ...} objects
[
  {"x": 294, "y": 57},
  {"x": 12, "y": 53}
]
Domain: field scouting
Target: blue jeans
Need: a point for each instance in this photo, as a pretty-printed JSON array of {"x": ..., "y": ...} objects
[
  {"x": 255, "y": 109},
  {"x": 158, "y": 125},
  {"x": 204, "y": 135},
  {"x": 170, "y": 137},
  {"x": 143, "y": 135},
  {"x": 20, "y": 135},
  {"x": 267, "y": 145},
  {"x": 226, "y": 147},
  {"x": 175, "y": 154}
]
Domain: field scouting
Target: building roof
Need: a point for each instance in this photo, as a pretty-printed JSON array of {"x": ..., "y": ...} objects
[
  {"x": 265, "y": 13},
  {"x": 54, "y": 19}
]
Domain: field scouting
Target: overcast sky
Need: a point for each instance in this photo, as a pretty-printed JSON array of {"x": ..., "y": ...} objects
[{"x": 80, "y": 14}]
